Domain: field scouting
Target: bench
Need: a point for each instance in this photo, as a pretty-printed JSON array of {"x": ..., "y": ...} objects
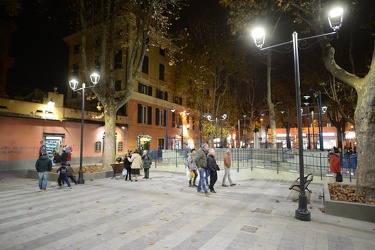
[
  {"x": 296, "y": 185},
  {"x": 117, "y": 169}
]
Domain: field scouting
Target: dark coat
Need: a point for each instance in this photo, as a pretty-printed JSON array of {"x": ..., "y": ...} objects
[
  {"x": 146, "y": 161},
  {"x": 43, "y": 164},
  {"x": 211, "y": 164},
  {"x": 127, "y": 163},
  {"x": 64, "y": 157}
]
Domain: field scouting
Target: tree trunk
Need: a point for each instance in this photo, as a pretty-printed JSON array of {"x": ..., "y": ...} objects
[
  {"x": 109, "y": 139},
  {"x": 271, "y": 106},
  {"x": 365, "y": 129},
  {"x": 364, "y": 119}
]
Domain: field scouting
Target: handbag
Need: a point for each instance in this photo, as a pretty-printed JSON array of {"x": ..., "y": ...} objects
[
  {"x": 124, "y": 172},
  {"x": 192, "y": 174},
  {"x": 338, "y": 177}
]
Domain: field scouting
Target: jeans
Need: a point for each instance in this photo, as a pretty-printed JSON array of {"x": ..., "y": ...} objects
[
  {"x": 207, "y": 172},
  {"x": 202, "y": 183},
  {"x": 43, "y": 179},
  {"x": 227, "y": 175},
  {"x": 63, "y": 178}
]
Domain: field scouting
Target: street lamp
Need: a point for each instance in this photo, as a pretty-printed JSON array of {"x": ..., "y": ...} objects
[
  {"x": 244, "y": 129},
  {"x": 166, "y": 127},
  {"x": 308, "y": 124},
  {"x": 321, "y": 110},
  {"x": 223, "y": 117},
  {"x": 73, "y": 84},
  {"x": 288, "y": 144},
  {"x": 335, "y": 20}
]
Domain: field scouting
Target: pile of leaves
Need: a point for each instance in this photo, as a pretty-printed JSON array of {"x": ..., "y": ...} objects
[
  {"x": 90, "y": 169},
  {"x": 344, "y": 192}
]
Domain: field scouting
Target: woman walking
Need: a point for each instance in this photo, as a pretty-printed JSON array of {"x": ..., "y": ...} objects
[
  {"x": 136, "y": 164},
  {"x": 213, "y": 167}
]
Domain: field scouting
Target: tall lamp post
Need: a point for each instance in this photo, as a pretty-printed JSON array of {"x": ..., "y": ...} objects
[
  {"x": 287, "y": 126},
  {"x": 73, "y": 84},
  {"x": 244, "y": 130},
  {"x": 335, "y": 21},
  {"x": 166, "y": 127},
  {"x": 223, "y": 117},
  {"x": 308, "y": 125},
  {"x": 321, "y": 111}
]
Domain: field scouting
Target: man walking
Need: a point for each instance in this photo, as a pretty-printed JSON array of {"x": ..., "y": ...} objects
[
  {"x": 227, "y": 165},
  {"x": 43, "y": 165},
  {"x": 201, "y": 162}
]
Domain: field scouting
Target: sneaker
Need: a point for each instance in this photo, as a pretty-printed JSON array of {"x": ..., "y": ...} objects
[
  {"x": 225, "y": 185},
  {"x": 207, "y": 194},
  {"x": 44, "y": 190},
  {"x": 213, "y": 191},
  {"x": 233, "y": 184},
  {"x": 70, "y": 187}
]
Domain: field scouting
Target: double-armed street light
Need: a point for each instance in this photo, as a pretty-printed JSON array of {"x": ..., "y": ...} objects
[
  {"x": 73, "y": 84},
  {"x": 321, "y": 110},
  {"x": 166, "y": 126},
  {"x": 335, "y": 20},
  {"x": 222, "y": 118},
  {"x": 287, "y": 126},
  {"x": 244, "y": 130}
]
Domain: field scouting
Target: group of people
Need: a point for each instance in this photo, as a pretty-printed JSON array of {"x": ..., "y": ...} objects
[
  {"x": 44, "y": 165},
  {"x": 204, "y": 163},
  {"x": 134, "y": 162}
]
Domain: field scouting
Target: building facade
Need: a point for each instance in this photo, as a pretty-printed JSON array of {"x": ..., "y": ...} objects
[{"x": 157, "y": 118}]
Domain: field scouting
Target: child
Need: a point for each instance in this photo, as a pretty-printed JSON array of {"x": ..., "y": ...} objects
[
  {"x": 63, "y": 175},
  {"x": 69, "y": 173}
]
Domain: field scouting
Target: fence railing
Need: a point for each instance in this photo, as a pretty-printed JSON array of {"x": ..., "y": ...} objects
[{"x": 278, "y": 159}]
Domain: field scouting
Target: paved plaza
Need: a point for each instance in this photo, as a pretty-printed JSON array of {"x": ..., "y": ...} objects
[{"x": 163, "y": 213}]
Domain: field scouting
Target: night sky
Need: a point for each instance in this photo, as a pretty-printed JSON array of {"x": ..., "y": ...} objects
[{"x": 41, "y": 55}]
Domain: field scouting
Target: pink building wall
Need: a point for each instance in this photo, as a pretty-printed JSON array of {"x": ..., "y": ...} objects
[{"x": 20, "y": 139}]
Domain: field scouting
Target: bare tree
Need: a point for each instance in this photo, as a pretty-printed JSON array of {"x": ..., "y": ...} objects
[
  {"x": 313, "y": 14},
  {"x": 109, "y": 25}
]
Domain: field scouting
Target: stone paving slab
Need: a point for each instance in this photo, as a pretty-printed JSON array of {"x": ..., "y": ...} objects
[{"x": 163, "y": 213}]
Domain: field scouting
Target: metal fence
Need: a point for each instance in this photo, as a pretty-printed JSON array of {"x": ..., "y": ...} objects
[{"x": 280, "y": 159}]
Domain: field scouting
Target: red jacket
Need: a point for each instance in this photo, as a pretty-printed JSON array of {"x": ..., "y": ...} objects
[{"x": 334, "y": 163}]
